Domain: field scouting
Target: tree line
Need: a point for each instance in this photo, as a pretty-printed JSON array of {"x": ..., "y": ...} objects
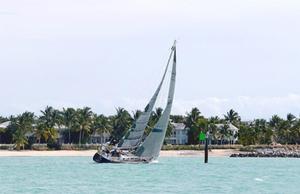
[
  {"x": 276, "y": 130},
  {"x": 81, "y": 123},
  {"x": 78, "y": 124}
]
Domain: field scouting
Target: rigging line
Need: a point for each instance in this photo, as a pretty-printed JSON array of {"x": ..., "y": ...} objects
[
  {"x": 165, "y": 72},
  {"x": 164, "y": 75}
]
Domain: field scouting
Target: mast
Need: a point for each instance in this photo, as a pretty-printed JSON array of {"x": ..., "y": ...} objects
[
  {"x": 150, "y": 148},
  {"x": 134, "y": 136}
]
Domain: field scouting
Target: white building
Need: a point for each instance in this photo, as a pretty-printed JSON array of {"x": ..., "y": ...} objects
[
  {"x": 233, "y": 129},
  {"x": 179, "y": 134},
  {"x": 99, "y": 138}
]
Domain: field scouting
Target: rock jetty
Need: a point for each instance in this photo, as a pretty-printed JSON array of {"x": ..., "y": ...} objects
[{"x": 285, "y": 152}]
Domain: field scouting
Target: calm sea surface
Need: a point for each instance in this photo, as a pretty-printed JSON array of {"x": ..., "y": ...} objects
[{"x": 169, "y": 175}]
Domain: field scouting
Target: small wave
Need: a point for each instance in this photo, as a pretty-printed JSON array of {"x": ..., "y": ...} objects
[
  {"x": 154, "y": 162},
  {"x": 259, "y": 179}
]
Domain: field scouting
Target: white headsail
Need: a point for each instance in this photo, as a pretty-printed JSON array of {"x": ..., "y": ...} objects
[
  {"x": 134, "y": 136},
  {"x": 150, "y": 148}
]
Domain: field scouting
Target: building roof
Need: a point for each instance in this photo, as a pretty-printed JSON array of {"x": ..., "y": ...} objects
[
  {"x": 5, "y": 124},
  {"x": 231, "y": 127},
  {"x": 179, "y": 126}
]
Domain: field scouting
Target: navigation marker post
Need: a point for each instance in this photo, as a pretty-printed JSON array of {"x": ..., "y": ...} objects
[
  {"x": 206, "y": 148},
  {"x": 203, "y": 137}
]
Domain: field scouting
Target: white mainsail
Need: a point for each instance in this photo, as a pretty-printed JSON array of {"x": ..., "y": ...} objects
[
  {"x": 134, "y": 136},
  {"x": 150, "y": 148}
]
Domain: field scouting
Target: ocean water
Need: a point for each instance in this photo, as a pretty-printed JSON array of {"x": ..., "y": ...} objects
[{"x": 169, "y": 175}]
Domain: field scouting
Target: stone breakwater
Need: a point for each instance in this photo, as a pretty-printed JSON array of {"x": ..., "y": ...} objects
[{"x": 270, "y": 152}]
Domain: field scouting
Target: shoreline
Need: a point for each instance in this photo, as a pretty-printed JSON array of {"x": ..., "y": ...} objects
[{"x": 90, "y": 153}]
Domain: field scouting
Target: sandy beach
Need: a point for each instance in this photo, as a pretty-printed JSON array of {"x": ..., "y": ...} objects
[{"x": 172, "y": 153}]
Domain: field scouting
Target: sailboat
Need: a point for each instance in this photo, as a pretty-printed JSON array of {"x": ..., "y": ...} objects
[{"x": 134, "y": 147}]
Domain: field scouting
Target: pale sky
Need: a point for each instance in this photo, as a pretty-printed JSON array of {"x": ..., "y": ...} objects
[{"x": 104, "y": 54}]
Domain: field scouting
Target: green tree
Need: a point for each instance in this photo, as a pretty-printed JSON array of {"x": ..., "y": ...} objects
[
  {"x": 121, "y": 122},
  {"x": 192, "y": 123},
  {"x": 101, "y": 124},
  {"x": 154, "y": 119},
  {"x": 213, "y": 129},
  {"x": 155, "y": 115},
  {"x": 177, "y": 118},
  {"x": 22, "y": 124},
  {"x": 276, "y": 123},
  {"x": 214, "y": 120},
  {"x": 291, "y": 118},
  {"x": 246, "y": 135},
  {"x": 295, "y": 132},
  {"x": 263, "y": 133},
  {"x": 232, "y": 117},
  {"x": 84, "y": 119},
  {"x": 2, "y": 130},
  {"x": 49, "y": 117},
  {"x": 69, "y": 116},
  {"x": 46, "y": 125}
]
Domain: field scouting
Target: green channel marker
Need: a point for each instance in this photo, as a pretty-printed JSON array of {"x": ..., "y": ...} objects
[{"x": 201, "y": 136}]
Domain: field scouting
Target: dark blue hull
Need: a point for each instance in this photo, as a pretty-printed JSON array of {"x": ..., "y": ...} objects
[{"x": 99, "y": 159}]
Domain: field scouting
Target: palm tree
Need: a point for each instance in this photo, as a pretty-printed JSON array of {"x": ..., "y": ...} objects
[
  {"x": 201, "y": 125},
  {"x": 46, "y": 124},
  {"x": 121, "y": 122},
  {"x": 49, "y": 117},
  {"x": 101, "y": 124},
  {"x": 22, "y": 124},
  {"x": 191, "y": 123},
  {"x": 213, "y": 129},
  {"x": 58, "y": 118},
  {"x": 2, "y": 130},
  {"x": 192, "y": 117},
  {"x": 232, "y": 117},
  {"x": 246, "y": 135},
  {"x": 295, "y": 132},
  {"x": 263, "y": 133},
  {"x": 84, "y": 119},
  {"x": 291, "y": 118},
  {"x": 214, "y": 120},
  {"x": 155, "y": 115},
  {"x": 274, "y": 123},
  {"x": 20, "y": 139},
  {"x": 225, "y": 133},
  {"x": 39, "y": 131},
  {"x": 69, "y": 115},
  {"x": 177, "y": 118}
]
